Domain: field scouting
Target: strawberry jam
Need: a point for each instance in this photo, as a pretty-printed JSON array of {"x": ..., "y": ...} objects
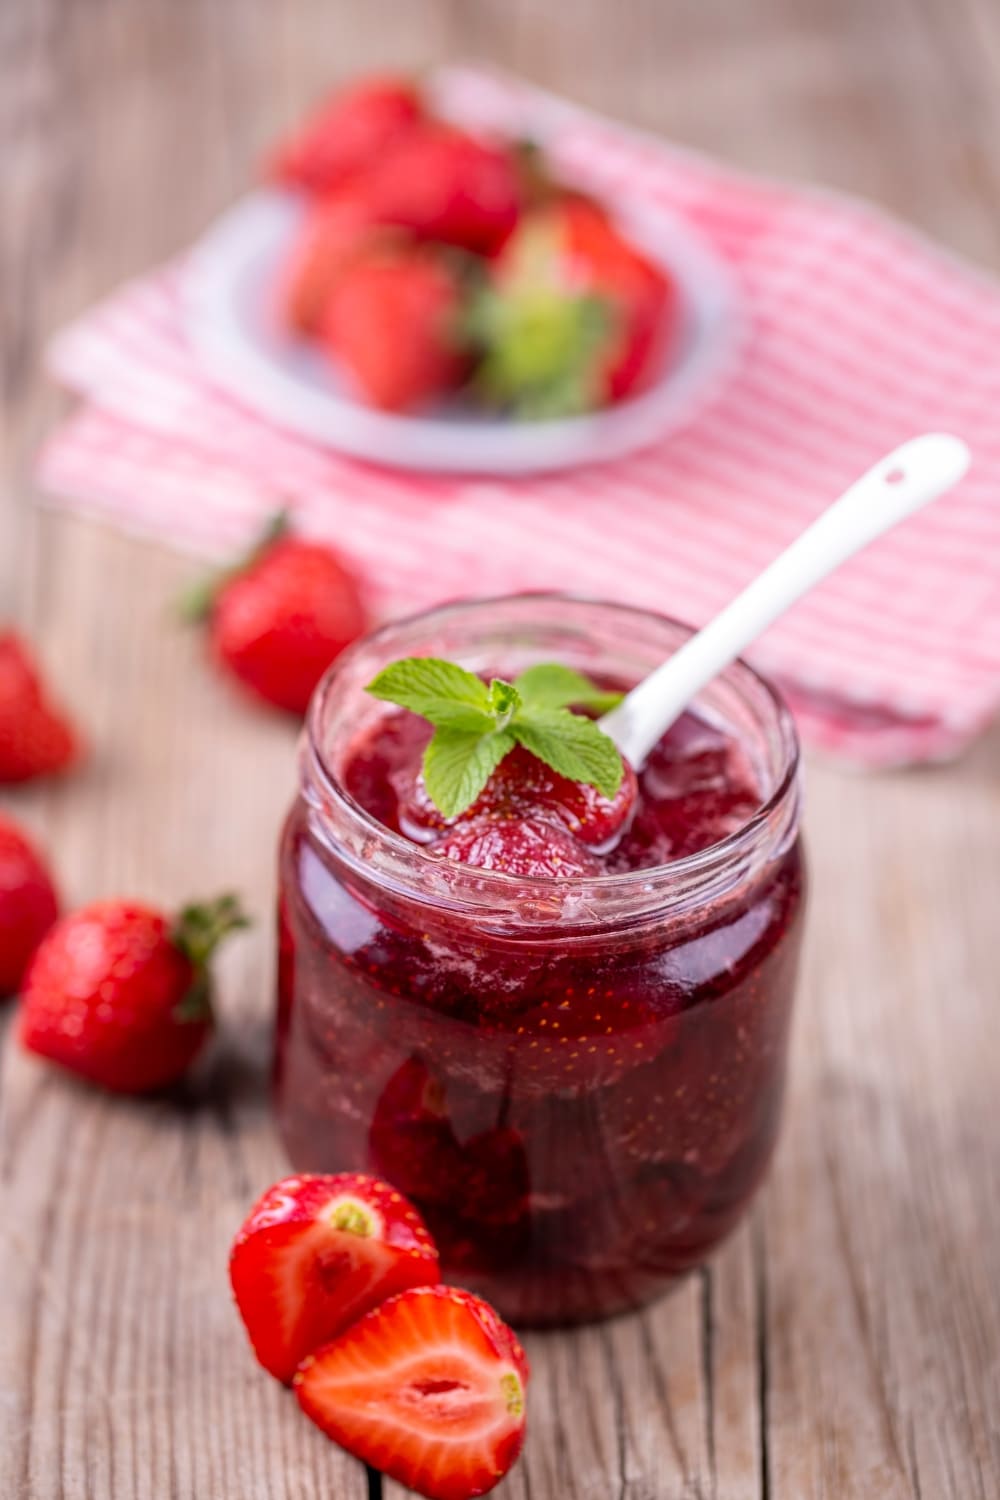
[{"x": 558, "y": 1024}]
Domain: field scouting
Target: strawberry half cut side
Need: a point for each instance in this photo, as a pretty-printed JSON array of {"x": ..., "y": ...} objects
[
  {"x": 315, "y": 1254},
  {"x": 429, "y": 1388}
]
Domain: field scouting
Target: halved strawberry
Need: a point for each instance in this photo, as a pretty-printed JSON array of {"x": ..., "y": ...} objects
[
  {"x": 315, "y": 1254},
  {"x": 429, "y": 1388}
]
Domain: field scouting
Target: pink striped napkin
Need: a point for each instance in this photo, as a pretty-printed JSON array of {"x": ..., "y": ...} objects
[{"x": 860, "y": 335}]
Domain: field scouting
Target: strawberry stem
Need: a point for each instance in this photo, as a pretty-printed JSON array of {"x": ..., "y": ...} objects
[{"x": 198, "y": 600}]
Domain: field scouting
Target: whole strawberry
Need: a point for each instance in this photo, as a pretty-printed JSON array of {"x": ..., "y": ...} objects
[
  {"x": 348, "y": 132},
  {"x": 35, "y": 737},
  {"x": 28, "y": 904},
  {"x": 278, "y": 620},
  {"x": 334, "y": 231},
  {"x": 121, "y": 995},
  {"x": 443, "y": 184},
  {"x": 576, "y": 317},
  {"x": 392, "y": 321}
]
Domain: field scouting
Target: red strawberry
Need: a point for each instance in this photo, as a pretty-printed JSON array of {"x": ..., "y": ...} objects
[
  {"x": 347, "y": 134},
  {"x": 576, "y": 316},
  {"x": 392, "y": 320},
  {"x": 590, "y": 1037},
  {"x": 278, "y": 620},
  {"x": 411, "y": 1140},
  {"x": 530, "y": 847},
  {"x": 120, "y": 995},
  {"x": 497, "y": 1178},
  {"x": 28, "y": 904},
  {"x": 644, "y": 301},
  {"x": 522, "y": 785},
  {"x": 334, "y": 231},
  {"x": 429, "y": 1388},
  {"x": 315, "y": 1254},
  {"x": 700, "y": 788},
  {"x": 35, "y": 738},
  {"x": 445, "y": 185}
]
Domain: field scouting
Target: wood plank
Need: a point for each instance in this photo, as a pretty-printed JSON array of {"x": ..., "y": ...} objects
[
  {"x": 847, "y": 1341},
  {"x": 882, "y": 1240},
  {"x": 123, "y": 1366}
]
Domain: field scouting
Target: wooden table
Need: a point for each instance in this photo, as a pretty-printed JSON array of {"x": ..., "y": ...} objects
[{"x": 846, "y": 1342}]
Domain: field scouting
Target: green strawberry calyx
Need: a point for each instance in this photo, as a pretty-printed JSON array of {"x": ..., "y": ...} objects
[
  {"x": 197, "y": 602},
  {"x": 197, "y": 932},
  {"x": 544, "y": 340}
]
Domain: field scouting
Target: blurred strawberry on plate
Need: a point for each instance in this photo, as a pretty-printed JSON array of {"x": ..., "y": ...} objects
[
  {"x": 393, "y": 319},
  {"x": 574, "y": 317},
  {"x": 336, "y": 230},
  {"x": 346, "y": 134},
  {"x": 443, "y": 184}
]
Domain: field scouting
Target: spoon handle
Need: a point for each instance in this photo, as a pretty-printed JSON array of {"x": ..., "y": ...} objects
[{"x": 898, "y": 485}]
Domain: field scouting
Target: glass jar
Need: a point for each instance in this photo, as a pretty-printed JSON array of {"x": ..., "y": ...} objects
[{"x": 578, "y": 1082}]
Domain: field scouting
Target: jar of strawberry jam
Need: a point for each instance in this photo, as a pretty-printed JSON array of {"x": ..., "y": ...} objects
[{"x": 576, "y": 1072}]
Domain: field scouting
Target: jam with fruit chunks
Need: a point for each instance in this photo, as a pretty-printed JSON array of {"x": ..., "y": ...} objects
[{"x": 574, "y": 1070}]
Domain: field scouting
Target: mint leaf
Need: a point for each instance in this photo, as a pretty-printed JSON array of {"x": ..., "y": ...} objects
[
  {"x": 550, "y": 685},
  {"x": 458, "y": 764},
  {"x": 573, "y": 746},
  {"x": 445, "y": 694}
]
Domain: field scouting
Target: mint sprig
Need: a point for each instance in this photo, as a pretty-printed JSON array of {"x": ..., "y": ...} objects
[{"x": 476, "y": 724}]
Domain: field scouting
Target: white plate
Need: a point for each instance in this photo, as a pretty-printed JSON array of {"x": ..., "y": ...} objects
[{"x": 230, "y": 317}]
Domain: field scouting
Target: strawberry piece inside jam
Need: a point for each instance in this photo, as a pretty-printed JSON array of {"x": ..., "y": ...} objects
[
  {"x": 697, "y": 787},
  {"x": 531, "y": 847},
  {"x": 522, "y": 786}
]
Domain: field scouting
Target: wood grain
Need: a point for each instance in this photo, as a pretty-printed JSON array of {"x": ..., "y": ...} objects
[{"x": 846, "y": 1342}]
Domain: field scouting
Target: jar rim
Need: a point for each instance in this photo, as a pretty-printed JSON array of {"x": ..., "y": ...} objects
[{"x": 408, "y": 864}]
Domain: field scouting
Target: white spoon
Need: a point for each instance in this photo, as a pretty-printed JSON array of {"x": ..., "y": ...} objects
[{"x": 907, "y": 479}]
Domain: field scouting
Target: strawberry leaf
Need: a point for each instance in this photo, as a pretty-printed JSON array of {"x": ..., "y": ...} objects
[
  {"x": 458, "y": 764},
  {"x": 201, "y": 927}
]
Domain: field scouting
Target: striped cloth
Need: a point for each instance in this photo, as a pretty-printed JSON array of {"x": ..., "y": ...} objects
[{"x": 861, "y": 334}]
